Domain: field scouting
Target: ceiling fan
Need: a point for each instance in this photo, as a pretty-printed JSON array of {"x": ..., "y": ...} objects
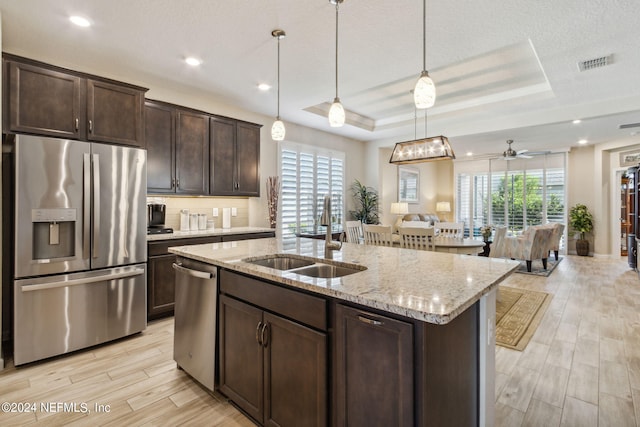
[{"x": 510, "y": 153}]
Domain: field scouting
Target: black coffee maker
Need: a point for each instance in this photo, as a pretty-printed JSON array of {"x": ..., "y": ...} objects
[{"x": 155, "y": 219}]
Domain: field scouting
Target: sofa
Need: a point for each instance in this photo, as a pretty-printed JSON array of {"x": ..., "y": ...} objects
[{"x": 416, "y": 220}]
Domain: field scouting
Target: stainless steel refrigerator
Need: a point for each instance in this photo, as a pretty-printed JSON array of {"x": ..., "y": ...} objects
[{"x": 80, "y": 245}]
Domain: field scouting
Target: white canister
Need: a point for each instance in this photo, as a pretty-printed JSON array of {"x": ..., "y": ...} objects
[
  {"x": 193, "y": 222},
  {"x": 202, "y": 221},
  {"x": 184, "y": 219}
]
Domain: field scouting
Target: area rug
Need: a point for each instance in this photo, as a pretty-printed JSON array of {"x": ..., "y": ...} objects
[
  {"x": 518, "y": 314},
  {"x": 536, "y": 267}
]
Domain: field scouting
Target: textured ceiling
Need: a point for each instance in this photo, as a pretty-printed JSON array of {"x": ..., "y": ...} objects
[{"x": 504, "y": 69}]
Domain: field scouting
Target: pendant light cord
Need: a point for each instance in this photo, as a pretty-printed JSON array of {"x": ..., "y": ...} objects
[
  {"x": 278, "y": 115},
  {"x": 337, "y": 6},
  {"x": 424, "y": 35}
]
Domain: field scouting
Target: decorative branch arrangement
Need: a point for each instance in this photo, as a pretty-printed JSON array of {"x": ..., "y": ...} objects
[{"x": 273, "y": 191}]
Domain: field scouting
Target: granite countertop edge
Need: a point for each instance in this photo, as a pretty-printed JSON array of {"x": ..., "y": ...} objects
[
  {"x": 338, "y": 289},
  {"x": 207, "y": 233}
]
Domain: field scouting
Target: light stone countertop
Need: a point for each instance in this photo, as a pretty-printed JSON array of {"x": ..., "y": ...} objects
[
  {"x": 209, "y": 232},
  {"x": 430, "y": 286}
]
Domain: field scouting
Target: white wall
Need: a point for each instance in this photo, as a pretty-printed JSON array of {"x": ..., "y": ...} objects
[{"x": 436, "y": 183}]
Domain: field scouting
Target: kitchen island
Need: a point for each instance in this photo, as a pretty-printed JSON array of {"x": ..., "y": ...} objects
[{"x": 406, "y": 339}]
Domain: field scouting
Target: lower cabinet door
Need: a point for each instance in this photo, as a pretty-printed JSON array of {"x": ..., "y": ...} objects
[
  {"x": 241, "y": 355},
  {"x": 374, "y": 369},
  {"x": 295, "y": 366},
  {"x": 161, "y": 286}
]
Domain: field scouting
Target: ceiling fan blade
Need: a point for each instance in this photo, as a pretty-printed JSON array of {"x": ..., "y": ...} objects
[
  {"x": 521, "y": 151},
  {"x": 524, "y": 156}
]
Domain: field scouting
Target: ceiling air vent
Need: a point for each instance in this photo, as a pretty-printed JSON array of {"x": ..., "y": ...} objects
[
  {"x": 590, "y": 64},
  {"x": 629, "y": 125}
]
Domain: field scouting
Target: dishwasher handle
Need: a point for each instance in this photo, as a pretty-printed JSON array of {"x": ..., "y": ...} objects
[{"x": 194, "y": 273}]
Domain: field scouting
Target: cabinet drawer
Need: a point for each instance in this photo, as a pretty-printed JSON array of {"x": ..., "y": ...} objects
[
  {"x": 295, "y": 305},
  {"x": 162, "y": 247}
]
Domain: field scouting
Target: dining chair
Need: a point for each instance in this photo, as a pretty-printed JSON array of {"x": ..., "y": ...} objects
[
  {"x": 379, "y": 235},
  {"x": 354, "y": 231},
  {"x": 450, "y": 229},
  {"x": 420, "y": 238}
]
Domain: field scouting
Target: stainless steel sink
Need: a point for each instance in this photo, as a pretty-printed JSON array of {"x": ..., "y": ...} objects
[
  {"x": 326, "y": 271},
  {"x": 281, "y": 262}
]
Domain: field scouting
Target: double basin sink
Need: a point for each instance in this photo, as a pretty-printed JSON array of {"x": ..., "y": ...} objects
[{"x": 305, "y": 266}]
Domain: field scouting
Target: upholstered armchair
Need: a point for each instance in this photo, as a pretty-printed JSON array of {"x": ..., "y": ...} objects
[
  {"x": 532, "y": 244},
  {"x": 554, "y": 243},
  {"x": 497, "y": 247}
]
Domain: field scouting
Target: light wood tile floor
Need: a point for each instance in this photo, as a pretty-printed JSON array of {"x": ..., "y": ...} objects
[{"x": 581, "y": 368}]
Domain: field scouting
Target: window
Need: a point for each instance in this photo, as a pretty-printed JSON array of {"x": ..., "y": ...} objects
[
  {"x": 307, "y": 174},
  {"x": 516, "y": 193}
]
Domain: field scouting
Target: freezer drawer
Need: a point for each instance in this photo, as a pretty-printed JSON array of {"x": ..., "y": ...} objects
[
  {"x": 58, "y": 314},
  {"x": 194, "y": 345}
]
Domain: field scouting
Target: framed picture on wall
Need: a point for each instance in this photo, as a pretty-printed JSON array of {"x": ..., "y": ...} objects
[{"x": 408, "y": 184}]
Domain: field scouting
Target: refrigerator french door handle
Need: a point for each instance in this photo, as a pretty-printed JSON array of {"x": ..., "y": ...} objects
[
  {"x": 96, "y": 203},
  {"x": 86, "y": 205},
  {"x": 83, "y": 281}
]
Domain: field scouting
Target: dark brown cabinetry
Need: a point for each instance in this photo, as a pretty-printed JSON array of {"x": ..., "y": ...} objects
[
  {"x": 48, "y": 100},
  {"x": 273, "y": 366},
  {"x": 115, "y": 113},
  {"x": 192, "y": 153},
  {"x": 160, "y": 275},
  {"x": 374, "y": 369},
  {"x": 235, "y": 158},
  {"x": 161, "y": 140},
  {"x": 177, "y": 149}
]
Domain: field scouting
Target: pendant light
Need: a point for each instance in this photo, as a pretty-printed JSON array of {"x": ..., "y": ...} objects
[
  {"x": 424, "y": 94},
  {"x": 277, "y": 130},
  {"x": 336, "y": 112},
  {"x": 427, "y": 149}
]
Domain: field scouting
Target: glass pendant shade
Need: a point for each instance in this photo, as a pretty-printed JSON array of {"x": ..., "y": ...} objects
[
  {"x": 277, "y": 130},
  {"x": 424, "y": 94},
  {"x": 336, "y": 114}
]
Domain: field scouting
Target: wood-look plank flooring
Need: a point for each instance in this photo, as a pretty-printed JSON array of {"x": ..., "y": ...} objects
[{"x": 581, "y": 368}]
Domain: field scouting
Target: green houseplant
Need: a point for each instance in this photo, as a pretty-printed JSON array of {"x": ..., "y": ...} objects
[
  {"x": 367, "y": 208},
  {"x": 581, "y": 221}
]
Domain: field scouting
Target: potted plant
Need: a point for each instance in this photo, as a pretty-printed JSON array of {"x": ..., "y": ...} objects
[
  {"x": 366, "y": 202},
  {"x": 581, "y": 221}
]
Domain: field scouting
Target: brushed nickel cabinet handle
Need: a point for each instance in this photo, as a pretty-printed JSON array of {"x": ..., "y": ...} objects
[
  {"x": 258, "y": 333},
  {"x": 77, "y": 123},
  {"x": 264, "y": 337},
  {"x": 90, "y": 125},
  {"x": 369, "y": 321}
]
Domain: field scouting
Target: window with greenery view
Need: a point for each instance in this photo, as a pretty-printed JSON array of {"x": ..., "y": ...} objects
[
  {"x": 516, "y": 194},
  {"x": 306, "y": 175}
]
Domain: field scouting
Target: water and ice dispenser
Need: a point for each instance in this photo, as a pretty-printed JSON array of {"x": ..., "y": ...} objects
[{"x": 53, "y": 233}]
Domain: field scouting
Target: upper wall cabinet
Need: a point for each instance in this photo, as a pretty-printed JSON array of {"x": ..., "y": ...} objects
[
  {"x": 235, "y": 158},
  {"x": 177, "y": 149},
  {"x": 160, "y": 136},
  {"x": 48, "y": 100}
]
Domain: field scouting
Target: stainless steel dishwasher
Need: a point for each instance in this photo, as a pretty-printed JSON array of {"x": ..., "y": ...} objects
[{"x": 194, "y": 341}]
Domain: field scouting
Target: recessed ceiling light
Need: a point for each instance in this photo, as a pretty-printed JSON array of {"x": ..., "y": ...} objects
[
  {"x": 80, "y": 21},
  {"x": 582, "y": 141},
  {"x": 264, "y": 86},
  {"x": 576, "y": 121},
  {"x": 469, "y": 153},
  {"x": 194, "y": 62}
]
